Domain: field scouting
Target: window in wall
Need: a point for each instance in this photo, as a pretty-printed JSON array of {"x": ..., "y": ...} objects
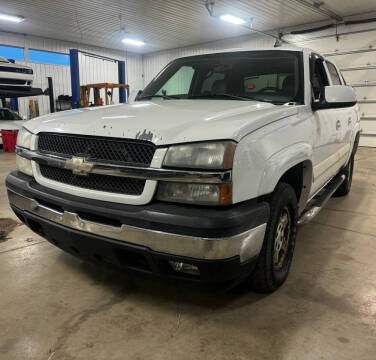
[
  {"x": 12, "y": 52},
  {"x": 48, "y": 57},
  {"x": 333, "y": 74}
]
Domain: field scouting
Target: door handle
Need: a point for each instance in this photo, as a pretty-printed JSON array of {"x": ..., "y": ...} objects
[
  {"x": 338, "y": 125},
  {"x": 349, "y": 121}
]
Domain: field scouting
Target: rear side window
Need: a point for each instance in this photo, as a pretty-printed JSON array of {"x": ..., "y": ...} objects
[{"x": 333, "y": 74}]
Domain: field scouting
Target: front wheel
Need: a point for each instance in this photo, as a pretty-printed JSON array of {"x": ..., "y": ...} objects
[{"x": 275, "y": 258}]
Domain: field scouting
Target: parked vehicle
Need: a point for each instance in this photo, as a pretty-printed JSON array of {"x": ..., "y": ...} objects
[
  {"x": 10, "y": 120},
  {"x": 15, "y": 76},
  {"x": 204, "y": 177}
]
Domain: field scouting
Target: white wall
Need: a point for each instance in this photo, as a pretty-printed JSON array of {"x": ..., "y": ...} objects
[
  {"x": 94, "y": 70},
  {"x": 61, "y": 74},
  {"x": 141, "y": 69}
]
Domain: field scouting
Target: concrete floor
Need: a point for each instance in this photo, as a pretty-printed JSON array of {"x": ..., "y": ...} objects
[{"x": 54, "y": 306}]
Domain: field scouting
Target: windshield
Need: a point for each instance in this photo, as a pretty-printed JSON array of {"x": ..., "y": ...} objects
[
  {"x": 5, "y": 114},
  {"x": 271, "y": 76}
]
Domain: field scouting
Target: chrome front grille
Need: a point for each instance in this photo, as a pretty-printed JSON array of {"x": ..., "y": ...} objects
[
  {"x": 126, "y": 151},
  {"x": 101, "y": 149}
]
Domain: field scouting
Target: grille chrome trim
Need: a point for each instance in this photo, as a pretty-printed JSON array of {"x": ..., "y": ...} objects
[
  {"x": 246, "y": 245},
  {"x": 134, "y": 172},
  {"x": 98, "y": 148}
]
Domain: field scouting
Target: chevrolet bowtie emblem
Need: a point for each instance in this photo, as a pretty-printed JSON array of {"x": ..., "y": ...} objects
[{"x": 78, "y": 165}]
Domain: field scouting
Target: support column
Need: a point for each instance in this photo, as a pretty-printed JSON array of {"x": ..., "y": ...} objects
[
  {"x": 75, "y": 78},
  {"x": 122, "y": 95},
  {"x": 14, "y": 104}
]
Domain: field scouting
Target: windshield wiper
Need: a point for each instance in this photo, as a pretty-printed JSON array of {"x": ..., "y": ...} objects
[
  {"x": 166, "y": 97},
  {"x": 234, "y": 97}
]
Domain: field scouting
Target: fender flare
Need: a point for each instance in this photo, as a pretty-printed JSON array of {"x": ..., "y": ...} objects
[{"x": 282, "y": 161}]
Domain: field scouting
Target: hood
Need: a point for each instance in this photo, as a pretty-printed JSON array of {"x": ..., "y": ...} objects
[
  {"x": 11, "y": 124},
  {"x": 165, "y": 121}
]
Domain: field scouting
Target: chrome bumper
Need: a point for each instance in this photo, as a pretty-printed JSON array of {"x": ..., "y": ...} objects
[{"x": 246, "y": 245}]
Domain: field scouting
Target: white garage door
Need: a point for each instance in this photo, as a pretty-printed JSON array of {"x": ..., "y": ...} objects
[
  {"x": 355, "y": 54},
  {"x": 359, "y": 70}
]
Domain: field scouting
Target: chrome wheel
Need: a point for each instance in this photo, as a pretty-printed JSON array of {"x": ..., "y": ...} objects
[{"x": 282, "y": 239}]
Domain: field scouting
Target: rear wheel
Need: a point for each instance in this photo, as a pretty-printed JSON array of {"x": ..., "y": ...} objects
[
  {"x": 275, "y": 259},
  {"x": 345, "y": 187}
]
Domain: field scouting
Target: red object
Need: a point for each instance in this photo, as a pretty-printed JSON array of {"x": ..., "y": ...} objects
[
  {"x": 250, "y": 86},
  {"x": 9, "y": 139}
]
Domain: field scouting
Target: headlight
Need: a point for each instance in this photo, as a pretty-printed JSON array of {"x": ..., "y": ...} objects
[
  {"x": 205, "y": 156},
  {"x": 24, "y": 165},
  {"x": 212, "y": 155},
  {"x": 24, "y": 138},
  {"x": 29, "y": 71},
  {"x": 198, "y": 194}
]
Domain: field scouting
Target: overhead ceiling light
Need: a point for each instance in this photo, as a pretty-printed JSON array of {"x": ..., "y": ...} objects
[
  {"x": 232, "y": 19},
  {"x": 16, "y": 19},
  {"x": 133, "y": 42}
]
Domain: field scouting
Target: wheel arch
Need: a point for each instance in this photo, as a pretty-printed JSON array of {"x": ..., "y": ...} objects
[{"x": 293, "y": 166}]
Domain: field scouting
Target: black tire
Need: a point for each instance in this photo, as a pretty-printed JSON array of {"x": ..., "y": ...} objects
[
  {"x": 269, "y": 274},
  {"x": 345, "y": 187}
]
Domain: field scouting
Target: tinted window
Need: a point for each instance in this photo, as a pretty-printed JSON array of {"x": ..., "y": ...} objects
[
  {"x": 333, "y": 73},
  {"x": 48, "y": 57},
  {"x": 271, "y": 76},
  {"x": 5, "y": 114},
  {"x": 179, "y": 83},
  {"x": 319, "y": 80}
]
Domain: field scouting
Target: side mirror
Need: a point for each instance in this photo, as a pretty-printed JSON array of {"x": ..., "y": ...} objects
[{"x": 336, "y": 96}]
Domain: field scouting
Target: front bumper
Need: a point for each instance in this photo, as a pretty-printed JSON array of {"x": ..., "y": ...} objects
[{"x": 223, "y": 243}]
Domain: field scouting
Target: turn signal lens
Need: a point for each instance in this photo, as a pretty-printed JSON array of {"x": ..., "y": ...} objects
[
  {"x": 199, "y": 194},
  {"x": 226, "y": 194}
]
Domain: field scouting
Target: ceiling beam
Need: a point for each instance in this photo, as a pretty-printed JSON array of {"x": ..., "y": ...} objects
[{"x": 319, "y": 7}]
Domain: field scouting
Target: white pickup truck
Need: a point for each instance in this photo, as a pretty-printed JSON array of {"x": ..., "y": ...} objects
[{"x": 203, "y": 177}]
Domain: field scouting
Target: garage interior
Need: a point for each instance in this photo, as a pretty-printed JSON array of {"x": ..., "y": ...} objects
[{"x": 55, "y": 306}]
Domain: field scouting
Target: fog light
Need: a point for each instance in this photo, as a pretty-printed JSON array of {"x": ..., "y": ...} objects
[{"x": 184, "y": 268}]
